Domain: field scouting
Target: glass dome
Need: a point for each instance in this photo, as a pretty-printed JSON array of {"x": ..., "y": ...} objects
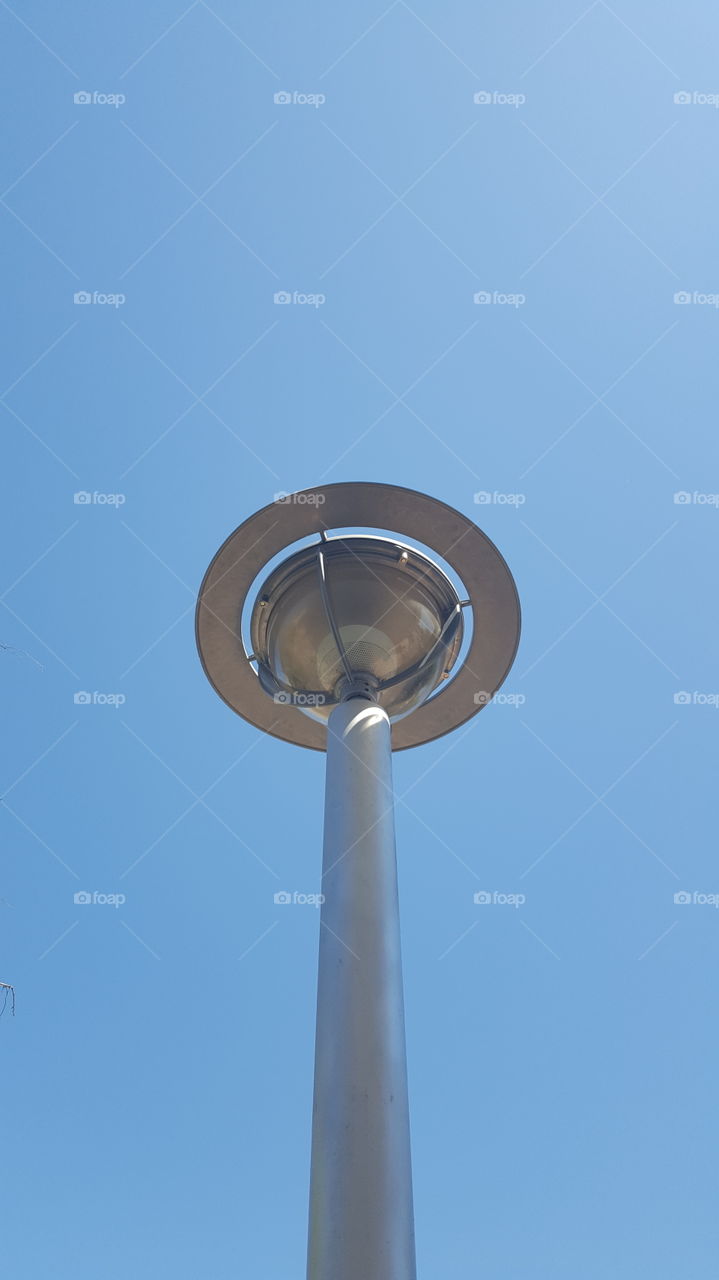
[{"x": 351, "y": 615}]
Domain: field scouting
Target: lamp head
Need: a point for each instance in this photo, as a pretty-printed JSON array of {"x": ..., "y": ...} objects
[
  {"x": 353, "y": 615},
  {"x": 357, "y": 614}
]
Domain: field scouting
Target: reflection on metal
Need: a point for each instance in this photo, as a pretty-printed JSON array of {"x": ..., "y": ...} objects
[
  {"x": 355, "y": 609},
  {"x": 361, "y": 1221}
]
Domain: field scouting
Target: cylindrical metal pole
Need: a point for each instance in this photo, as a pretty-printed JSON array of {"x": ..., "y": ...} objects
[{"x": 361, "y": 1218}]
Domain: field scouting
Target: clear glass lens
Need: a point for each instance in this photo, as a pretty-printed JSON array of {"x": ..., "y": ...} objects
[{"x": 389, "y": 606}]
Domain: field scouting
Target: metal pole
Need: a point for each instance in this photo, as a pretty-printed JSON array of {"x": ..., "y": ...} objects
[{"x": 361, "y": 1218}]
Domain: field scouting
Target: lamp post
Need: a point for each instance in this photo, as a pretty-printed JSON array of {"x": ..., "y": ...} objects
[{"x": 352, "y": 640}]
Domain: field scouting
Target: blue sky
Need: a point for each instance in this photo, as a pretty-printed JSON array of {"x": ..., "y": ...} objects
[{"x": 562, "y": 1053}]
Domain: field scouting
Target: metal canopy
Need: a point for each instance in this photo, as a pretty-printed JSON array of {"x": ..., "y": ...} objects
[{"x": 453, "y": 537}]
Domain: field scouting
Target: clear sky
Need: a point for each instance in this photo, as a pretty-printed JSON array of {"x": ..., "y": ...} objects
[{"x": 562, "y": 1052}]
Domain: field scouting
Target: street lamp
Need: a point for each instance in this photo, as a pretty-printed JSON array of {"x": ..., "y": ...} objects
[{"x": 355, "y": 641}]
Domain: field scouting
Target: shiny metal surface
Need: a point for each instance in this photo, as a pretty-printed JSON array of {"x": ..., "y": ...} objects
[
  {"x": 411, "y": 515},
  {"x": 361, "y": 1217},
  {"x": 352, "y": 607}
]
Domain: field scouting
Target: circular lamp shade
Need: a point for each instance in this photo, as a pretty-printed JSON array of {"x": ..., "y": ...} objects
[
  {"x": 355, "y": 614},
  {"x": 295, "y": 646}
]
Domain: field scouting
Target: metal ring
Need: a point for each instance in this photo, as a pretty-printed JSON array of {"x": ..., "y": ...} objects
[{"x": 452, "y": 536}]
